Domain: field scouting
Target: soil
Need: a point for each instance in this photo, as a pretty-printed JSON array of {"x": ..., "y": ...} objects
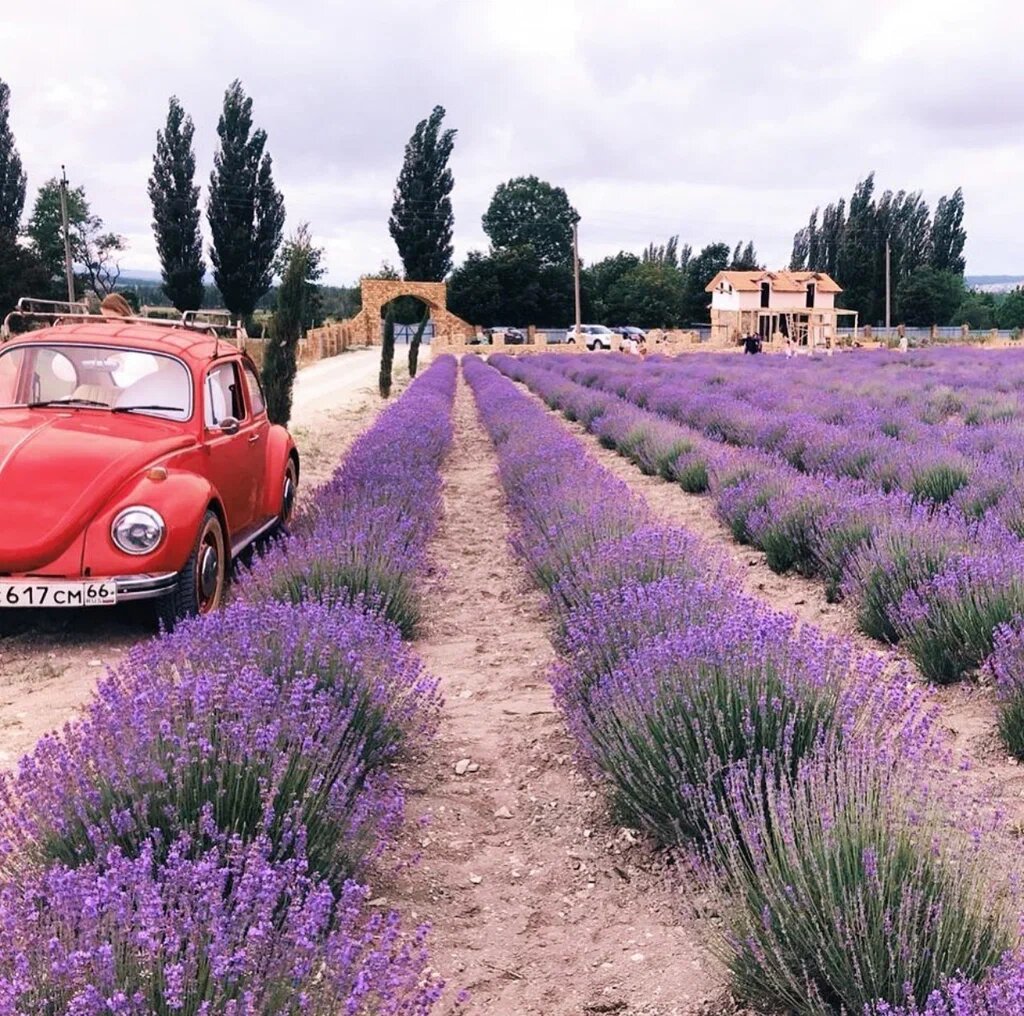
[
  {"x": 539, "y": 903},
  {"x": 50, "y": 661}
]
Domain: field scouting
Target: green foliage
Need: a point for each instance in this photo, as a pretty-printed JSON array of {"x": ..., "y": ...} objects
[
  {"x": 929, "y": 297},
  {"x": 12, "y": 175},
  {"x": 245, "y": 209},
  {"x": 387, "y": 354},
  {"x": 849, "y": 244},
  {"x": 977, "y": 310},
  {"x": 297, "y": 306},
  {"x": 94, "y": 251},
  {"x": 414, "y": 345},
  {"x": 948, "y": 235},
  {"x": 528, "y": 212},
  {"x": 421, "y": 220},
  {"x": 1010, "y": 313},
  {"x": 510, "y": 287},
  {"x": 175, "y": 199},
  {"x": 1011, "y": 721},
  {"x": 714, "y": 258}
]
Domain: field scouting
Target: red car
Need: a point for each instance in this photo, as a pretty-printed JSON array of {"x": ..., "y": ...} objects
[{"x": 136, "y": 462}]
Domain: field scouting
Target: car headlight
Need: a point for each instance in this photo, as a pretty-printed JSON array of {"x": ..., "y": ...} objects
[{"x": 138, "y": 530}]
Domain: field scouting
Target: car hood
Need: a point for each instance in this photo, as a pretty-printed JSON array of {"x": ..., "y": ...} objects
[{"x": 59, "y": 468}]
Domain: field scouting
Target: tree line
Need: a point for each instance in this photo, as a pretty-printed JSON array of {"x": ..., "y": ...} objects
[
  {"x": 245, "y": 213},
  {"x": 848, "y": 241}
]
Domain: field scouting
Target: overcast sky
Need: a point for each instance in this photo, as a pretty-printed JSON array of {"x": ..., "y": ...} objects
[{"x": 714, "y": 121}]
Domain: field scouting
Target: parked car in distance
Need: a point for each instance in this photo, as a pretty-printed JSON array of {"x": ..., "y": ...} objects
[
  {"x": 137, "y": 462},
  {"x": 631, "y": 331},
  {"x": 513, "y": 336},
  {"x": 594, "y": 337}
]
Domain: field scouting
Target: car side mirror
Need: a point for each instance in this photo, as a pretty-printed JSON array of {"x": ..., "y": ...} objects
[{"x": 229, "y": 425}]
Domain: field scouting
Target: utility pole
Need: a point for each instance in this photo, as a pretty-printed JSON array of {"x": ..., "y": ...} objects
[
  {"x": 67, "y": 235},
  {"x": 888, "y": 304},
  {"x": 576, "y": 276}
]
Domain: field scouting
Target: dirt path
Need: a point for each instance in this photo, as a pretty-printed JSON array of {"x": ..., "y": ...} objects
[
  {"x": 538, "y": 904},
  {"x": 52, "y": 661},
  {"x": 968, "y": 710}
]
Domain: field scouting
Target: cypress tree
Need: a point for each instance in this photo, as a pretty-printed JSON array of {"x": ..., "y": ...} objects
[
  {"x": 246, "y": 211},
  {"x": 175, "y": 199},
  {"x": 297, "y": 305},
  {"x": 387, "y": 353},
  {"x": 12, "y": 175},
  {"x": 421, "y": 217},
  {"x": 414, "y": 345}
]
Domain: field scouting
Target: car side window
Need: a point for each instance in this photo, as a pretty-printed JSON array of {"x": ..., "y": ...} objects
[
  {"x": 256, "y": 399},
  {"x": 223, "y": 394}
]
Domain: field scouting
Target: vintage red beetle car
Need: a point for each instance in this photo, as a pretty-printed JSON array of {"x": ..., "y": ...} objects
[{"x": 136, "y": 462}]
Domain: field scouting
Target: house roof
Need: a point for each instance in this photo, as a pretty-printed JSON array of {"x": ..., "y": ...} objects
[{"x": 781, "y": 282}]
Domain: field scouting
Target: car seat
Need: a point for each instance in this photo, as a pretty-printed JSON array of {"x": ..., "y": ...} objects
[
  {"x": 93, "y": 393},
  {"x": 160, "y": 388}
]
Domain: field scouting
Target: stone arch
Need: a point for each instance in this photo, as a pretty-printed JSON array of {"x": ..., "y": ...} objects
[{"x": 376, "y": 293}]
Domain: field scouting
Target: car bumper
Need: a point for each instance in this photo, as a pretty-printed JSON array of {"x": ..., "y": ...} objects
[{"x": 144, "y": 587}]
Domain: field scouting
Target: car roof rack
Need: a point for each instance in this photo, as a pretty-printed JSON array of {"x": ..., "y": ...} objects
[{"x": 217, "y": 323}]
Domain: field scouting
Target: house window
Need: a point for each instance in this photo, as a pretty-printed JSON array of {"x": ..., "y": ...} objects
[
  {"x": 810, "y": 294},
  {"x": 766, "y": 293}
]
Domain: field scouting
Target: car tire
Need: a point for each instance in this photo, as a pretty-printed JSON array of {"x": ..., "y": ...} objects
[
  {"x": 289, "y": 488},
  {"x": 201, "y": 583}
]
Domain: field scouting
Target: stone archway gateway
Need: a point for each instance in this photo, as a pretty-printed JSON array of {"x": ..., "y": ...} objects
[{"x": 376, "y": 293}]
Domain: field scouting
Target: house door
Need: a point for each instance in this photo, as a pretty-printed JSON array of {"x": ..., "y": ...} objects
[
  {"x": 810, "y": 294},
  {"x": 766, "y": 293}
]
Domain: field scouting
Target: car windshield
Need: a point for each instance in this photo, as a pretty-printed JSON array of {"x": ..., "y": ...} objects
[{"x": 95, "y": 377}]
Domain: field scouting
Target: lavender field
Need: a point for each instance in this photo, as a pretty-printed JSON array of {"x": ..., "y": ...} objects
[{"x": 279, "y": 809}]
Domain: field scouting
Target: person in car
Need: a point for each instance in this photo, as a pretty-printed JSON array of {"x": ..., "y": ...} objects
[{"x": 115, "y": 305}]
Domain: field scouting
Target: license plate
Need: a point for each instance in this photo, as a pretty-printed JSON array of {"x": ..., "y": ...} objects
[{"x": 57, "y": 594}]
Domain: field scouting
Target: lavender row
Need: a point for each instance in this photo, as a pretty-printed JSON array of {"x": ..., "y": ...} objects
[
  {"x": 364, "y": 536},
  {"x": 927, "y": 578},
  {"x": 197, "y": 841},
  {"x": 787, "y": 769}
]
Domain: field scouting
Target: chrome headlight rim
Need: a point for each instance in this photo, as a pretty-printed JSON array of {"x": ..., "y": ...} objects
[{"x": 148, "y": 516}]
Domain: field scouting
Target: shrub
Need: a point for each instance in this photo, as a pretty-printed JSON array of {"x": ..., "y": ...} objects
[
  {"x": 901, "y": 555},
  {"x": 672, "y": 721},
  {"x": 252, "y": 722},
  {"x": 936, "y": 482},
  {"x": 204, "y": 934},
  {"x": 784, "y": 527},
  {"x": 1006, "y": 664},
  {"x": 842, "y": 888},
  {"x": 947, "y": 623}
]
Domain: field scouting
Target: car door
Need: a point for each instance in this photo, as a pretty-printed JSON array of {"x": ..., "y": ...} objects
[
  {"x": 232, "y": 441},
  {"x": 259, "y": 439}
]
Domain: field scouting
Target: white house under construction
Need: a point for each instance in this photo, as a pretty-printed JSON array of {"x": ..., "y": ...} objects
[{"x": 776, "y": 306}]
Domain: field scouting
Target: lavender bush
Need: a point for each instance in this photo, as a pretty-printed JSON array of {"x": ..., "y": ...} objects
[
  {"x": 218, "y": 932},
  {"x": 364, "y": 536},
  {"x": 842, "y": 889},
  {"x": 272, "y": 721},
  {"x": 1006, "y": 665}
]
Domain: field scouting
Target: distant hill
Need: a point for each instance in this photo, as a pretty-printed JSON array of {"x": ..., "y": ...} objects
[{"x": 994, "y": 283}]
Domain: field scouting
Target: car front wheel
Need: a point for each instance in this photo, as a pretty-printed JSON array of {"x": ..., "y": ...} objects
[{"x": 201, "y": 583}]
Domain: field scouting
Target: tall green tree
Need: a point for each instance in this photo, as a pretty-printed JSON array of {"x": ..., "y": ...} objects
[
  {"x": 744, "y": 258},
  {"x": 712, "y": 259},
  {"x": 175, "y": 199},
  {"x": 421, "y": 220},
  {"x": 930, "y": 297},
  {"x": 245, "y": 210},
  {"x": 95, "y": 250},
  {"x": 1010, "y": 311},
  {"x": 948, "y": 234},
  {"x": 300, "y": 267},
  {"x": 387, "y": 353},
  {"x": 528, "y": 212},
  {"x": 12, "y": 175}
]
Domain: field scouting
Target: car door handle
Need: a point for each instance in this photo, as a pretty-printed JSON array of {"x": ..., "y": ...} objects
[{"x": 254, "y": 439}]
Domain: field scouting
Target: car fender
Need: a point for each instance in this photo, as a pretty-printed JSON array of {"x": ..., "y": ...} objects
[
  {"x": 280, "y": 447},
  {"x": 181, "y": 498}
]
